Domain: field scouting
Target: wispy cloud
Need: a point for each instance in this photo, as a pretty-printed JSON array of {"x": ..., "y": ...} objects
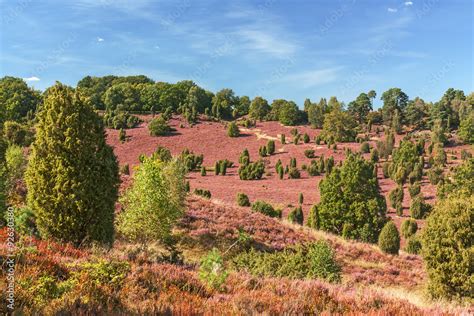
[
  {"x": 313, "y": 78},
  {"x": 33, "y": 78},
  {"x": 392, "y": 10},
  {"x": 100, "y": 39},
  {"x": 265, "y": 42},
  {"x": 408, "y": 3}
]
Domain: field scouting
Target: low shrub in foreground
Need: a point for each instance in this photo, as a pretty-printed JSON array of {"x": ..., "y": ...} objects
[
  {"x": 202, "y": 192},
  {"x": 310, "y": 261},
  {"x": 389, "y": 239},
  {"x": 243, "y": 199},
  {"x": 266, "y": 209}
]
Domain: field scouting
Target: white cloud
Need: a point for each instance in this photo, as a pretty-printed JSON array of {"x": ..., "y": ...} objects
[
  {"x": 265, "y": 42},
  {"x": 313, "y": 78},
  {"x": 100, "y": 39},
  {"x": 408, "y": 3},
  {"x": 392, "y": 10},
  {"x": 33, "y": 78}
]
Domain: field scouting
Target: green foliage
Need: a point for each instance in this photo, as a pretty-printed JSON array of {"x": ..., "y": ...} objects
[
  {"x": 413, "y": 245},
  {"x": 350, "y": 194},
  {"x": 313, "y": 168},
  {"x": 406, "y": 156},
  {"x": 461, "y": 181},
  {"x": 447, "y": 241},
  {"x": 394, "y": 101},
  {"x": 374, "y": 155},
  {"x": 202, "y": 192},
  {"x": 259, "y": 108},
  {"x": 270, "y": 147},
  {"x": 262, "y": 151},
  {"x": 233, "y": 130},
  {"x": 25, "y": 221},
  {"x": 212, "y": 270},
  {"x": 252, "y": 171},
  {"x": 163, "y": 154},
  {"x": 396, "y": 197},
  {"x": 266, "y": 209},
  {"x": 243, "y": 199},
  {"x": 414, "y": 189},
  {"x": 283, "y": 139},
  {"x": 296, "y": 216},
  {"x": 244, "y": 158},
  {"x": 294, "y": 173},
  {"x": 439, "y": 156},
  {"x": 122, "y": 135},
  {"x": 313, "y": 217},
  {"x": 309, "y": 153},
  {"x": 154, "y": 202},
  {"x": 435, "y": 175},
  {"x": 338, "y": 127},
  {"x": 17, "y": 134},
  {"x": 466, "y": 129},
  {"x": 305, "y": 138},
  {"x": 300, "y": 198},
  {"x": 389, "y": 239},
  {"x": 316, "y": 113},
  {"x": 361, "y": 107},
  {"x": 309, "y": 261},
  {"x": 190, "y": 160},
  {"x": 365, "y": 148},
  {"x": 120, "y": 120},
  {"x": 289, "y": 114},
  {"x": 72, "y": 175},
  {"x": 203, "y": 171},
  {"x": 409, "y": 228},
  {"x": 159, "y": 127},
  {"x": 16, "y": 99},
  {"x": 419, "y": 208}
]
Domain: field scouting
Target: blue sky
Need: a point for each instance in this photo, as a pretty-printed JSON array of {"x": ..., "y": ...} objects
[{"x": 274, "y": 48}]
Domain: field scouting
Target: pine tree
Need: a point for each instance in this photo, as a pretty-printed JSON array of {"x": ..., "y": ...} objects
[
  {"x": 72, "y": 176},
  {"x": 389, "y": 239}
]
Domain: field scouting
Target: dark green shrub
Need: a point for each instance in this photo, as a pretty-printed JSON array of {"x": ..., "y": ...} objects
[
  {"x": 313, "y": 168},
  {"x": 120, "y": 119},
  {"x": 163, "y": 154},
  {"x": 435, "y": 175},
  {"x": 413, "y": 245},
  {"x": 293, "y": 163},
  {"x": 409, "y": 228},
  {"x": 203, "y": 171},
  {"x": 223, "y": 167},
  {"x": 159, "y": 127},
  {"x": 283, "y": 139},
  {"x": 309, "y": 153},
  {"x": 315, "y": 260},
  {"x": 217, "y": 167},
  {"x": 296, "y": 139},
  {"x": 190, "y": 160},
  {"x": 374, "y": 155},
  {"x": 252, "y": 171},
  {"x": 365, "y": 148},
  {"x": 305, "y": 138},
  {"x": 300, "y": 198},
  {"x": 294, "y": 173},
  {"x": 281, "y": 172},
  {"x": 296, "y": 216},
  {"x": 243, "y": 199},
  {"x": 244, "y": 158},
  {"x": 233, "y": 130},
  {"x": 396, "y": 197},
  {"x": 25, "y": 221},
  {"x": 262, "y": 151},
  {"x": 389, "y": 239},
  {"x": 271, "y": 147},
  {"x": 70, "y": 154},
  {"x": 448, "y": 240},
  {"x": 202, "y": 192},
  {"x": 350, "y": 194},
  {"x": 313, "y": 217},
  {"x": 122, "y": 135},
  {"x": 414, "y": 189},
  {"x": 266, "y": 209},
  {"x": 294, "y": 132},
  {"x": 418, "y": 208},
  {"x": 16, "y": 133},
  {"x": 187, "y": 186}
]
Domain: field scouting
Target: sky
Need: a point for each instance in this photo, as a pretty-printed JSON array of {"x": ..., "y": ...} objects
[{"x": 273, "y": 48}]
